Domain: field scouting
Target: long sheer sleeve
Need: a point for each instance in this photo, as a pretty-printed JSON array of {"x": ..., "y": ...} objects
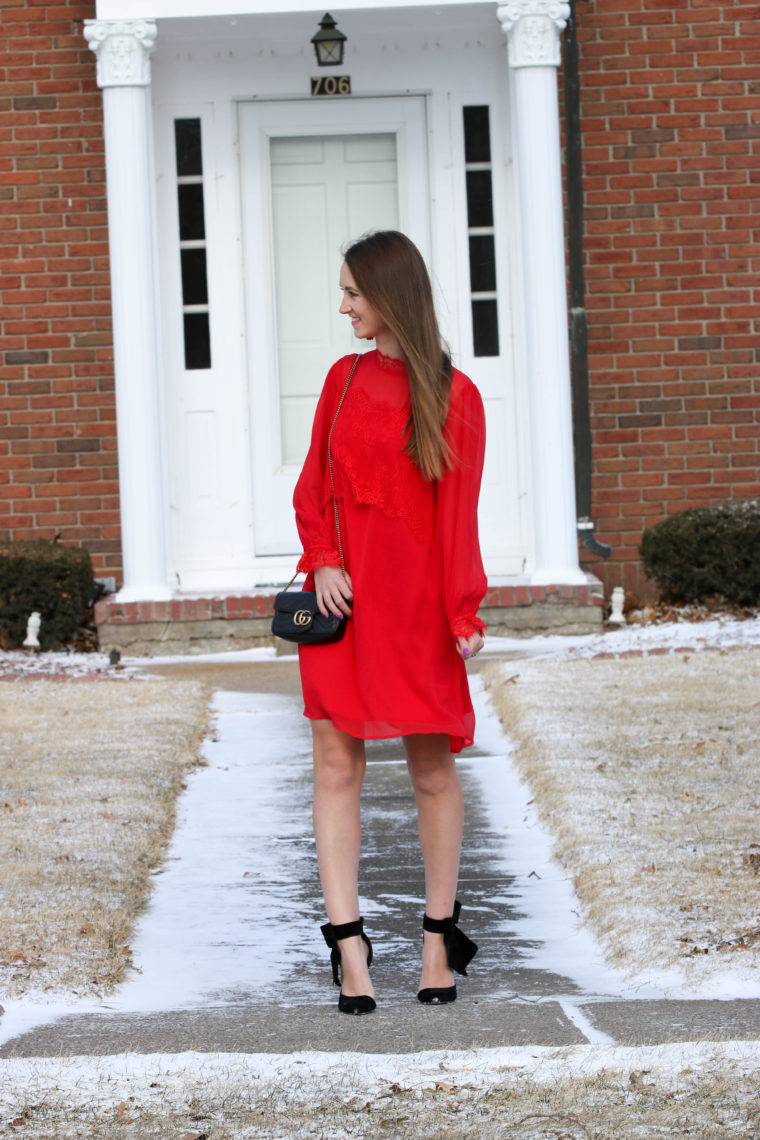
[
  {"x": 315, "y": 527},
  {"x": 457, "y": 545}
]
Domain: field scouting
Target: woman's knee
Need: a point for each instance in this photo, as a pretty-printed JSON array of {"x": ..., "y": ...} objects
[
  {"x": 434, "y": 780},
  {"x": 338, "y": 758},
  {"x": 431, "y": 766}
]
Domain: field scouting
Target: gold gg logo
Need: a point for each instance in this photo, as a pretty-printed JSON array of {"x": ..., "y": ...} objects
[{"x": 302, "y": 617}]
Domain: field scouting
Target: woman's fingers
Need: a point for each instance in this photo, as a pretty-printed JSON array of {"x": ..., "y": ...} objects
[
  {"x": 335, "y": 603},
  {"x": 333, "y": 591},
  {"x": 339, "y": 605},
  {"x": 470, "y": 646}
]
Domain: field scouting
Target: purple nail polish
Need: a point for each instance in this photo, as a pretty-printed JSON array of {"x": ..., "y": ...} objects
[{"x": 465, "y": 653}]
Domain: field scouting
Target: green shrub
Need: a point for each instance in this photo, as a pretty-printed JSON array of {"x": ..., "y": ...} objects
[
  {"x": 706, "y": 552},
  {"x": 54, "y": 580}
]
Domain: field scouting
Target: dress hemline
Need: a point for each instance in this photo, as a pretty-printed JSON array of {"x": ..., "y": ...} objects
[{"x": 457, "y": 740}]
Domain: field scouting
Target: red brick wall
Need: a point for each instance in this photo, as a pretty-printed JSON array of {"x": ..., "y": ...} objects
[
  {"x": 670, "y": 107},
  {"x": 671, "y": 123},
  {"x": 58, "y": 472}
]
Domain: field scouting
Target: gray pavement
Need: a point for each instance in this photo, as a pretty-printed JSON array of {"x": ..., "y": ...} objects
[
  {"x": 505, "y": 1001},
  {"x": 396, "y": 1027}
]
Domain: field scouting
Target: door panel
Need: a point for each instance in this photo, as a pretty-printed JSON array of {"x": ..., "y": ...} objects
[
  {"x": 312, "y": 197},
  {"x": 314, "y": 176}
]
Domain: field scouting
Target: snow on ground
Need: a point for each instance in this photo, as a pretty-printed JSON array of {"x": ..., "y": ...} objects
[
  {"x": 218, "y": 910},
  {"x": 19, "y": 664},
  {"x": 717, "y": 633},
  {"x": 643, "y": 772},
  {"x": 549, "y": 922},
  {"x": 300, "y": 1077},
  {"x": 722, "y": 632}
]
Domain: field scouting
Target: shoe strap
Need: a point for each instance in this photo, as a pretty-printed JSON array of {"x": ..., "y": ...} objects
[
  {"x": 335, "y": 934},
  {"x": 460, "y": 950},
  {"x": 441, "y": 925},
  {"x": 343, "y": 930}
]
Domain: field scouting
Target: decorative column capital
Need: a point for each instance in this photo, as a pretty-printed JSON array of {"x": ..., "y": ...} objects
[
  {"x": 123, "y": 49},
  {"x": 533, "y": 28}
]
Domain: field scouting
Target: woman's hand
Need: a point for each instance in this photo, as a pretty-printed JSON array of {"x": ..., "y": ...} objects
[
  {"x": 333, "y": 590},
  {"x": 469, "y": 646}
]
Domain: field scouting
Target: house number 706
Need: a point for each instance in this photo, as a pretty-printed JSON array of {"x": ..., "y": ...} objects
[{"x": 331, "y": 85}]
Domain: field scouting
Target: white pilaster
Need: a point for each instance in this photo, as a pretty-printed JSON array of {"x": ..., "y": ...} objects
[
  {"x": 533, "y": 29},
  {"x": 123, "y": 49}
]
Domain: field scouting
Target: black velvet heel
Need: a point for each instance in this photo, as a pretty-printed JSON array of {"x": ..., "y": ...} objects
[
  {"x": 460, "y": 951},
  {"x": 363, "y": 1003}
]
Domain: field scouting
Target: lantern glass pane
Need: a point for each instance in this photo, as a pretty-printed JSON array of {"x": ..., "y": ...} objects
[{"x": 330, "y": 51}]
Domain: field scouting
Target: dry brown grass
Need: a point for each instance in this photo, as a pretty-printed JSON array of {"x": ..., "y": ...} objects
[
  {"x": 645, "y": 771},
  {"x": 653, "y": 759},
  {"x": 89, "y": 776},
  {"x": 560, "y": 1095}
]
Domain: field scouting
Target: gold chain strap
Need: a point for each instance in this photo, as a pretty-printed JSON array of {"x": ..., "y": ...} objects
[{"x": 329, "y": 461}]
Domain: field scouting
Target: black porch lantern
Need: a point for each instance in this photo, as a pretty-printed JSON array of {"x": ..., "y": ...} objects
[{"x": 328, "y": 42}]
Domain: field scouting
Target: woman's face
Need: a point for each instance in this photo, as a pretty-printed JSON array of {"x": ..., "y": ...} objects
[{"x": 367, "y": 325}]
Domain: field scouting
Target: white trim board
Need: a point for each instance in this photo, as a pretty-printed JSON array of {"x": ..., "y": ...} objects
[{"x": 173, "y": 9}]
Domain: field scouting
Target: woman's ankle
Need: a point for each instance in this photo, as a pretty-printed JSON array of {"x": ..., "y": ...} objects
[
  {"x": 436, "y": 971},
  {"x": 355, "y": 979}
]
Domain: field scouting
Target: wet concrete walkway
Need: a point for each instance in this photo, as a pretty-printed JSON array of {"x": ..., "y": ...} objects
[{"x": 230, "y": 954}]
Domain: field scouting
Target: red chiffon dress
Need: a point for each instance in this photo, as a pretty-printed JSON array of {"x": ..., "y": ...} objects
[{"x": 411, "y": 549}]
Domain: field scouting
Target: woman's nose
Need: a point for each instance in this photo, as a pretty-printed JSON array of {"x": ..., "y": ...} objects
[{"x": 345, "y": 306}]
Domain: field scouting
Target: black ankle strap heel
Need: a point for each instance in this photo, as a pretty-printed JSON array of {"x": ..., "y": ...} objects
[
  {"x": 460, "y": 950},
  {"x": 333, "y": 935}
]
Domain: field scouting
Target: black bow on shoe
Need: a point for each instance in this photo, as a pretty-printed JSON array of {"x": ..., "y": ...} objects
[
  {"x": 362, "y": 1003},
  {"x": 460, "y": 950}
]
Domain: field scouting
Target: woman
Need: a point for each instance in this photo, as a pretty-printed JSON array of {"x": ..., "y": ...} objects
[{"x": 407, "y": 456}]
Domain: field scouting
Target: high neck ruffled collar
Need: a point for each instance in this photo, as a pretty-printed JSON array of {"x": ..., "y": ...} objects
[{"x": 390, "y": 363}]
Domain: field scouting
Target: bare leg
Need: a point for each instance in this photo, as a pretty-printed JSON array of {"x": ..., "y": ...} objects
[
  {"x": 440, "y": 817},
  {"x": 339, "y": 764}
]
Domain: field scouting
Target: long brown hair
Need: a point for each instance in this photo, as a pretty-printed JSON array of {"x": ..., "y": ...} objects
[{"x": 389, "y": 271}]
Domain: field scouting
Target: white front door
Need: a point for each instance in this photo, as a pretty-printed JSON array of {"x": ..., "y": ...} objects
[{"x": 314, "y": 176}]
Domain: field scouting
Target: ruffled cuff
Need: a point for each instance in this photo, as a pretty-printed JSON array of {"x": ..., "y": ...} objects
[
  {"x": 318, "y": 556},
  {"x": 466, "y": 626}
]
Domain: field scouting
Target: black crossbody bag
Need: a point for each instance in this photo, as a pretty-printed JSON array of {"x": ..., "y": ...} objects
[{"x": 297, "y": 616}]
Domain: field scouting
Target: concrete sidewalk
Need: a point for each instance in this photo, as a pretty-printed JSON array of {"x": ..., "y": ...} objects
[{"x": 277, "y": 995}]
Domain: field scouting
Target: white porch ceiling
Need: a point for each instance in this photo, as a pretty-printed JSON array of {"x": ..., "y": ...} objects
[{"x": 172, "y": 9}]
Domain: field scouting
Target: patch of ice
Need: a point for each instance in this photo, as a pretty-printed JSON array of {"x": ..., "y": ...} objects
[{"x": 226, "y": 917}]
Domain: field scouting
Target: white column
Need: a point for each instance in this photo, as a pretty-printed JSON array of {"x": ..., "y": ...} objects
[
  {"x": 533, "y": 29},
  {"x": 123, "y": 49}
]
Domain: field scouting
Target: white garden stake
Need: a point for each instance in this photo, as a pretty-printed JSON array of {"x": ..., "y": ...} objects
[
  {"x": 31, "y": 641},
  {"x": 618, "y": 599}
]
